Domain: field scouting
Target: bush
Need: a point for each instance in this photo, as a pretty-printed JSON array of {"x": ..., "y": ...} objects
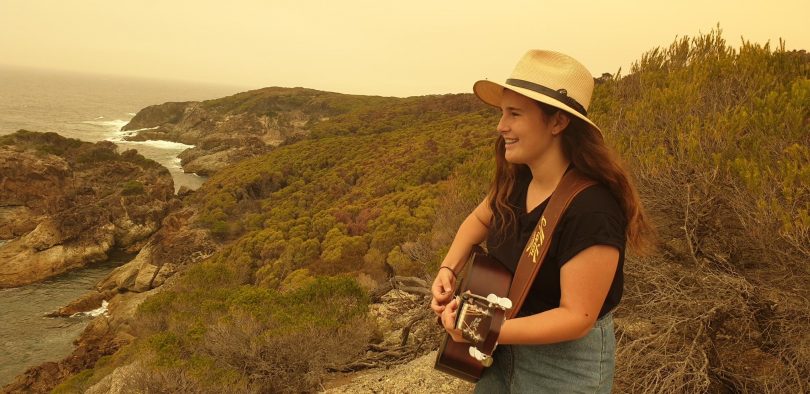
[
  {"x": 131, "y": 188},
  {"x": 258, "y": 339},
  {"x": 717, "y": 138}
]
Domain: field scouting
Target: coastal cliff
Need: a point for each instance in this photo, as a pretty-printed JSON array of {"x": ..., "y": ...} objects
[
  {"x": 66, "y": 203},
  {"x": 227, "y": 130},
  {"x": 175, "y": 245}
]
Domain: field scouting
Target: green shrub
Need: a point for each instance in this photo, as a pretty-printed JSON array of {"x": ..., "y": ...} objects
[{"x": 131, "y": 188}]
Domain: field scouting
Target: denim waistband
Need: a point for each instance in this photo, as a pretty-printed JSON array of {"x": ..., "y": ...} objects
[{"x": 605, "y": 319}]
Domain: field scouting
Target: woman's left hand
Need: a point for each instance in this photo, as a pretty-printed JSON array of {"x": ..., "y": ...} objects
[{"x": 449, "y": 321}]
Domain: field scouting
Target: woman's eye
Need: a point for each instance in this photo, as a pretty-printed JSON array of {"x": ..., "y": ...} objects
[{"x": 515, "y": 114}]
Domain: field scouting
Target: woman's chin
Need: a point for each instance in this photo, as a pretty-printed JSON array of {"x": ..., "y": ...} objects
[{"x": 513, "y": 159}]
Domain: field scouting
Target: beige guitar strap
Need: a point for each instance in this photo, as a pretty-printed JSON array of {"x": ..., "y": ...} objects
[{"x": 536, "y": 248}]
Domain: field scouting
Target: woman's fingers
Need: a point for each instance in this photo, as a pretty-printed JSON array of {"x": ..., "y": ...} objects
[
  {"x": 447, "y": 283},
  {"x": 453, "y": 305},
  {"x": 447, "y": 320},
  {"x": 436, "y": 306},
  {"x": 449, "y": 314},
  {"x": 442, "y": 286},
  {"x": 442, "y": 291}
]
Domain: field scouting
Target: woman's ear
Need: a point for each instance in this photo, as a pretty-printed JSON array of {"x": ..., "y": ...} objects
[{"x": 559, "y": 122}]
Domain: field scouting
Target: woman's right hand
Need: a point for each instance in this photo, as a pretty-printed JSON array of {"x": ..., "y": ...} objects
[{"x": 442, "y": 290}]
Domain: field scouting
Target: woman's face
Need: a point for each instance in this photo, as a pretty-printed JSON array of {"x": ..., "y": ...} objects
[{"x": 524, "y": 128}]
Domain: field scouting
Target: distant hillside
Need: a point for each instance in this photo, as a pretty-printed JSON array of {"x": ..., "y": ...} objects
[
  {"x": 229, "y": 129},
  {"x": 360, "y": 194},
  {"x": 717, "y": 139}
]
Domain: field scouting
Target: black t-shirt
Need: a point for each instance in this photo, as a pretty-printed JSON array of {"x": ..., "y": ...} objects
[{"x": 593, "y": 218}]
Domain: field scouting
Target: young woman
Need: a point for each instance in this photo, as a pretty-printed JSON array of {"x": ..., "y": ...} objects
[{"x": 562, "y": 339}]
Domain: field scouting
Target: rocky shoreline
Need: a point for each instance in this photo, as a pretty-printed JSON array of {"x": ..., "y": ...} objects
[
  {"x": 65, "y": 204},
  {"x": 86, "y": 183},
  {"x": 230, "y": 129},
  {"x": 226, "y": 130}
]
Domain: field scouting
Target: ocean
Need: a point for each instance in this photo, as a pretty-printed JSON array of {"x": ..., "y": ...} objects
[
  {"x": 95, "y": 107},
  {"x": 90, "y": 108}
]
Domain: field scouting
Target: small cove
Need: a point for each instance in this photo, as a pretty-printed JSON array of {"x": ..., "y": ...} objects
[{"x": 27, "y": 337}]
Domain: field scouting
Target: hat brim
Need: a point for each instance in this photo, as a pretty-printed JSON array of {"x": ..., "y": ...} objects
[{"x": 492, "y": 93}]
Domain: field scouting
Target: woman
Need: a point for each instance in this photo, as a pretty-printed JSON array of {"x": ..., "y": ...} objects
[{"x": 562, "y": 339}]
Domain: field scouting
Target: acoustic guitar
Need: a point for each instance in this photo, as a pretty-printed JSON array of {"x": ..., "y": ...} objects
[{"x": 481, "y": 312}]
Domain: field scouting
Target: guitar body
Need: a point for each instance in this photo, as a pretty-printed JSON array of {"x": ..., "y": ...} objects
[{"x": 483, "y": 276}]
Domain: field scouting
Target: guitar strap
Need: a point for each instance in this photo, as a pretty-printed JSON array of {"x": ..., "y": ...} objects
[{"x": 536, "y": 248}]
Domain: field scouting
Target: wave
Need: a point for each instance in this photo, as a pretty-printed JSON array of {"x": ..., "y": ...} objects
[
  {"x": 168, "y": 145},
  {"x": 119, "y": 135},
  {"x": 116, "y": 124},
  {"x": 102, "y": 310}
]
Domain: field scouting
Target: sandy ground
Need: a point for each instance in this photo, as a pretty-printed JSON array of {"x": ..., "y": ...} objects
[{"x": 417, "y": 376}]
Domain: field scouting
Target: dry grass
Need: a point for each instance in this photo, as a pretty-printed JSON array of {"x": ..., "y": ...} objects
[{"x": 721, "y": 308}]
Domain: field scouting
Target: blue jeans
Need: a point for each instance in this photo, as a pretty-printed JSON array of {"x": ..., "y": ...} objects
[{"x": 581, "y": 366}]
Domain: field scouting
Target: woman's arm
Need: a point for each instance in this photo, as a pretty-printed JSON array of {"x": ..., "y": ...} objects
[
  {"x": 584, "y": 284},
  {"x": 472, "y": 232}
]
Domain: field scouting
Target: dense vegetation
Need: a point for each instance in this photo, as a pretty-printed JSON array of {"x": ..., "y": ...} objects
[
  {"x": 78, "y": 154},
  {"x": 719, "y": 141},
  {"x": 360, "y": 197},
  {"x": 716, "y": 137}
]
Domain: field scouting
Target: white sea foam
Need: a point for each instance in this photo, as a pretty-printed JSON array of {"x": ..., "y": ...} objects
[
  {"x": 102, "y": 310},
  {"x": 137, "y": 130},
  {"x": 168, "y": 145},
  {"x": 177, "y": 162},
  {"x": 116, "y": 124},
  {"x": 119, "y": 135}
]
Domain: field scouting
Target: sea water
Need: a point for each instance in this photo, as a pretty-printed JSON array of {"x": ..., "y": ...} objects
[{"x": 95, "y": 107}]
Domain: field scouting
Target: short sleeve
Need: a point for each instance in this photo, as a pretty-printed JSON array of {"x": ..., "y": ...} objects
[{"x": 594, "y": 218}]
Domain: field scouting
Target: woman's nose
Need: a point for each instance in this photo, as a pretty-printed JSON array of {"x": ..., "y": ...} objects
[{"x": 502, "y": 126}]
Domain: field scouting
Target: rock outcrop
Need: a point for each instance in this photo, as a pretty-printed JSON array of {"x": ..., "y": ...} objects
[
  {"x": 230, "y": 129},
  {"x": 176, "y": 244},
  {"x": 65, "y": 204}
]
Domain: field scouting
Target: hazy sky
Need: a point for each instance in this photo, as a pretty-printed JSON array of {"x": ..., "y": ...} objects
[{"x": 397, "y": 48}]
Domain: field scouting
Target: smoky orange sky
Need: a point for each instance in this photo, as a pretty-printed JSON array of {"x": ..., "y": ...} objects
[{"x": 378, "y": 47}]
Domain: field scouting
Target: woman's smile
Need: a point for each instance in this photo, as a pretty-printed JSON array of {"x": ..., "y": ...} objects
[{"x": 524, "y": 129}]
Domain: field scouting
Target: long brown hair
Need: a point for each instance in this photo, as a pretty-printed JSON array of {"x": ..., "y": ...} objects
[{"x": 593, "y": 158}]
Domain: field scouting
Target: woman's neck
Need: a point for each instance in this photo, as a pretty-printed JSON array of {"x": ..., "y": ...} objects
[{"x": 548, "y": 170}]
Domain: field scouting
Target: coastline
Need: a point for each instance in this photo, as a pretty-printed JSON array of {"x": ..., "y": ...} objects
[{"x": 45, "y": 338}]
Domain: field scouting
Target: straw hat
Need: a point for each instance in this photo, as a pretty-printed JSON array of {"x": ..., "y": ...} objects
[{"x": 548, "y": 77}]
